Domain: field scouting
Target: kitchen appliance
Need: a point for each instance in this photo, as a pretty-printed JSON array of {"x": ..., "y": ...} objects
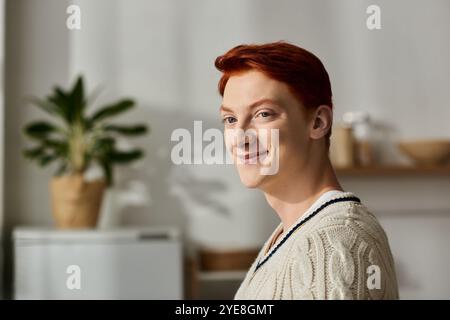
[{"x": 98, "y": 264}]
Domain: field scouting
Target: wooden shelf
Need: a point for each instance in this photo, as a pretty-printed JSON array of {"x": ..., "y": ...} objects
[{"x": 394, "y": 170}]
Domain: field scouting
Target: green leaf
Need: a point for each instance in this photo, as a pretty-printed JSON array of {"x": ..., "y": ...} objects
[
  {"x": 122, "y": 157},
  {"x": 127, "y": 130},
  {"x": 54, "y": 144},
  {"x": 47, "y": 159},
  {"x": 48, "y": 106},
  {"x": 77, "y": 100},
  {"x": 40, "y": 129},
  {"x": 103, "y": 146},
  {"x": 62, "y": 100},
  {"x": 112, "y": 110},
  {"x": 35, "y": 152},
  {"x": 58, "y": 147},
  {"x": 78, "y": 90},
  {"x": 42, "y": 157}
]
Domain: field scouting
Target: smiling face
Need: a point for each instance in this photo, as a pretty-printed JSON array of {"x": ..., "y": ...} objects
[{"x": 252, "y": 101}]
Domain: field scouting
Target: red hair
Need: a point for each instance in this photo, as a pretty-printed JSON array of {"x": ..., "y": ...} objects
[{"x": 301, "y": 70}]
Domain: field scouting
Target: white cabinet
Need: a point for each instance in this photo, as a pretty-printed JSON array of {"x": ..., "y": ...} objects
[{"x": 98, "y": 264}]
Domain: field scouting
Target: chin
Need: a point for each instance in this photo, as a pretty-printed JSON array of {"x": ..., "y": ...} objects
[
  {"x": 250, "y": 184},
  {"x": 252, "y": 180}
]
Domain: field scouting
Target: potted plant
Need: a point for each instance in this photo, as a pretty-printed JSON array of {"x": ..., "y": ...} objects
[{"x": 77, "y": 141}]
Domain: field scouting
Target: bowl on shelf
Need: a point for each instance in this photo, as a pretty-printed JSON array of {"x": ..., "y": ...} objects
[{"x": 426, "y": 152}]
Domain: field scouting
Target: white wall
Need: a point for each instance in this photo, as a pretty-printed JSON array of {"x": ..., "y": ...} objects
[
  {"x": 36, "y": 56},
  {"x": 162, "y": 53}
]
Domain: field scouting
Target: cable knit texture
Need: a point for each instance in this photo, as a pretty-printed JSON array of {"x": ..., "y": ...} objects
[{"x": 334, "y": 255}]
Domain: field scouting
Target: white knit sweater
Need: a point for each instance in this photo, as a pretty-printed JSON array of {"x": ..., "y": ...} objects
[{"x": 339, "y": 252}]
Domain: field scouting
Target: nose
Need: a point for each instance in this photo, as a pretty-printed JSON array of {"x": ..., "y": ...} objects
[
  {"x": 246, "y": 141},
  {"x": 240, "y": 138},
  {"x": 248, "y": 138}
]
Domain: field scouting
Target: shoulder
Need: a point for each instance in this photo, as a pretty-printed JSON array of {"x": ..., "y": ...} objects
[
  {"x": 342, "y": 242},
  {"x": 343, "y": 222},
  {"x": 352, "y": 225}
]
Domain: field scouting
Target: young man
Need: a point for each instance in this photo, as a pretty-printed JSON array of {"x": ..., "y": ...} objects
[{"x": 327, "y": 245}]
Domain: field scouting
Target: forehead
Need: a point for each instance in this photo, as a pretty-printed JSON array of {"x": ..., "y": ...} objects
[{"x": 244, "y": 88}]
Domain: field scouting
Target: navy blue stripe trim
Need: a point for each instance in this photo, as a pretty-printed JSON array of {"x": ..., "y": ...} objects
[{"x": 352, "y": 198}]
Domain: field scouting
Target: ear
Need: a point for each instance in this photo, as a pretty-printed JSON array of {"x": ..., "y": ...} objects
[{"x": 321, "y": 122}]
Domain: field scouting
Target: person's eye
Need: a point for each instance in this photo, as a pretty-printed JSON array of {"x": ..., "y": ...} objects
[
  {"x": 229, "y": 120},
  {"x": 264, "y": 114}
]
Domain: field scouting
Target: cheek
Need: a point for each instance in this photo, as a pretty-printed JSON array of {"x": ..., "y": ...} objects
[
  {"x": 292, "y": 141},
  {"x": 229, "y": 139},
  {"x": 298, "y": 130}
]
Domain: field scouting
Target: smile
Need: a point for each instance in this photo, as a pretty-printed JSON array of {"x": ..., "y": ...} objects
[{"x": 251, "y": 158}]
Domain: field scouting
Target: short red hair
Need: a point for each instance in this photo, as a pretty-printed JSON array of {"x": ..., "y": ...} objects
[{"x": 301, "y": 70}]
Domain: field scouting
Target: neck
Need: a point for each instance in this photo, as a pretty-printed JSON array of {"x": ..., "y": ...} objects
[{"x": 294, "y": 194}]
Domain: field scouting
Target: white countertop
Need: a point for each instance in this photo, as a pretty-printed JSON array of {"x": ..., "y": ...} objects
[{"x": 39, "y": 234}]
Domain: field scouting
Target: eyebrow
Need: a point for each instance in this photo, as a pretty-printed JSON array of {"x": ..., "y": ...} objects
[{"x": 251, "y": 106}]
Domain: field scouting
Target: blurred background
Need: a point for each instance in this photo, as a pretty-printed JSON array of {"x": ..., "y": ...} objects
[{"x": 195, "y": 225}]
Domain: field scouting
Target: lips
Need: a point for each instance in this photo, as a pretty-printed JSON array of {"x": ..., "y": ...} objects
[{"x": 252, "y": 157}]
